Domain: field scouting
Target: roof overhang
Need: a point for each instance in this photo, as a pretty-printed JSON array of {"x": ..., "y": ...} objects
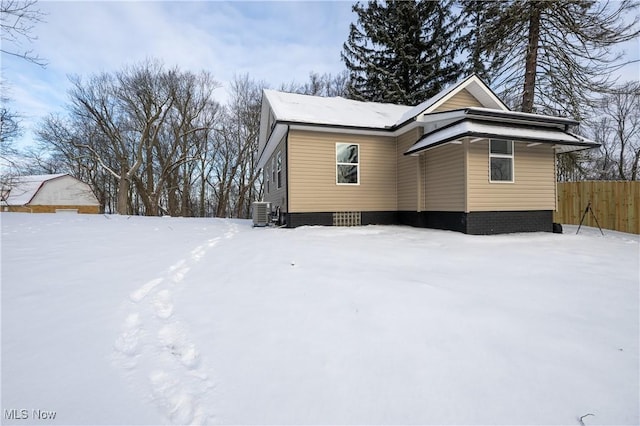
[
  {"x": 474, "y": 128},
  {"x": 281, "y": 128},
  {"x": 278, "y": 132},
  {"x": 500, "y": 116}
]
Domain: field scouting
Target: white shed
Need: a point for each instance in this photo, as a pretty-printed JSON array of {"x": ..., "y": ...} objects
[{"x": 55, "y": 193}]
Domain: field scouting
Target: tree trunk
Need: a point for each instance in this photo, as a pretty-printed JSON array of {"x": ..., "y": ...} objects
[
  {"x": 203, "y": 182},
  {"x": 123, "y": 196},
  {"x": 531, "y": 60},
  {"x": 634, "y": 167}
]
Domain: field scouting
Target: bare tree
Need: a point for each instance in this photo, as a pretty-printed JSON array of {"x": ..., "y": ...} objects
[
  {"x": 17, "y": 21},
  {"x": 138, "y": 135},
  {"x": 555, "y": 54},
  {"x": 9, "y": 127},
  {"x": 327, "y": 85},
  {"x": 192, "y": 118},
  {"x": 621, "y": 111},
  {"x": 234, "y": 179},
  {"x": 614, "y": 121}
]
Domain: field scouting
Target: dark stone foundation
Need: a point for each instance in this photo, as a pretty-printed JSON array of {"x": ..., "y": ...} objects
[{"x": 475, "y": 223}]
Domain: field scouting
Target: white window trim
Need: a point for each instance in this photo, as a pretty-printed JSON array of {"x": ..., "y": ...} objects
[
  {"x": 509, "y": 156},
  {"x": 347, "y": 164},
  {"x": 273, "y": 168},
  {"x": 279, "y": 171}
]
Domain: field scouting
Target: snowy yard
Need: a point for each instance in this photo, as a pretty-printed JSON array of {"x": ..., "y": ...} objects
[{"x": 116, "y": 320}]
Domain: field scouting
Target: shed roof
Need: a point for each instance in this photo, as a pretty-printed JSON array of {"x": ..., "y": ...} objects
[
  {"x": 22, "y": 189},
  {"x": 468, "y": 127}
]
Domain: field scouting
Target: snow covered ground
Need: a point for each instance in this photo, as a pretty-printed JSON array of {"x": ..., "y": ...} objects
[{"x": 117, "y": 320}]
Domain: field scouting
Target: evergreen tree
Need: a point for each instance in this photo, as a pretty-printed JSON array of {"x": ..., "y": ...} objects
[
  {"x": 481, "y": 17},
  {"x": 554, "y": 54},
  {"x": 401, "y": 51}
]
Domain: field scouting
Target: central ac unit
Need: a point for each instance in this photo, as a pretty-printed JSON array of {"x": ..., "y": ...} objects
[{"x": 261, "y": 213}]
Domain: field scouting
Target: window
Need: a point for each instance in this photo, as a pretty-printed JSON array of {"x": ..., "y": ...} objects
[
  {"x": 347, "y": 164},
  {"x": 266, "y": 178},
  {"x": 273, "y": 168},
  {"x": 501, "y": 160},
  {"x": 279, "y": 164}
]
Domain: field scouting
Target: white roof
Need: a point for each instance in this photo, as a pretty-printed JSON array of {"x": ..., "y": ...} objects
[
  {"x": 350, "y": 115},
  {"x": 336, "y": 111},
  {"x": 339, "y": 111},
  {"x": 470, "y": 128},
  {"x": 23, "y": 188}
]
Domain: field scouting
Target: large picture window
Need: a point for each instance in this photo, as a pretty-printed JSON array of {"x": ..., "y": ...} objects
[
  {"x": 501, "y": 160},
  {"x": 347, "y": 164}
]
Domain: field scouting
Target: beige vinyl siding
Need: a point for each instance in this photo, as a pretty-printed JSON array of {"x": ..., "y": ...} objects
[
  {"x": 408, "y": 177},
  {"x": 534, "y": 180},
  {"x": 312, "y": 176},
  {"x": 444, "y": 178},
  {"x": 277, "y": 196},
  {"x": 462, "y": 99}
]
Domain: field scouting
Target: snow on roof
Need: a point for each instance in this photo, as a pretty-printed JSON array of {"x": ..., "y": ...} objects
[
  {"x": 467, "y": 127},
  {"x": 333, "y": 111},
  {"x": 346, "y": 112},
  {"x": 23, "y": 188}
]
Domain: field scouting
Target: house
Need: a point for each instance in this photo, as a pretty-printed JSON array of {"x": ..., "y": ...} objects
[
  {"x": 460, "y": 161},
  {"x": 55, "y": 193}
]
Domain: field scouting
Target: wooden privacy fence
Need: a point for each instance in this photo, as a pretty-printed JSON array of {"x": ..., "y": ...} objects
[{"x": 616, "y": 204}]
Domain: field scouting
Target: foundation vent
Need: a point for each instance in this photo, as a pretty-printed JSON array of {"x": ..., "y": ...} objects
[{"x": 347, "y": 219}]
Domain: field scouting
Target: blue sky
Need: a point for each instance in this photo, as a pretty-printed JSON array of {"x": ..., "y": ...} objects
[{"x": 277, "y": 42}]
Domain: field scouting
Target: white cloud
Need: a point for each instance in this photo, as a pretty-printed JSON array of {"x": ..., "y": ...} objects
[{"x": 272, "y": 41}]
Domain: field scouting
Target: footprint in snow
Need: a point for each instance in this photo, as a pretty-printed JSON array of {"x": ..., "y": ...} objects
[
  {"x": 177, "y": 265},
  {"x": 172, "y": 339},
  {"x": 178, "y": 275},
  {"x": 166, "y": 390},
  {"x": 143, "y": 291},
  {"x": 197, "y": 253},
  {"x": 128, "y": 342},
  {"x": 162, "y": 304}
]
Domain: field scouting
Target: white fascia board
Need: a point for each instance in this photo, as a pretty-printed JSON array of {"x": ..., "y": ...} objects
[
  {"x": 478, "y": 89},
  {"x": 279, "y": 131},
  {"x": 455, "y": 114},
  {"x": 337, "y": 129},
  {"x": 356, "y": 131},
  {"x": 470, "y": 129},
  {"x": 264, "y": 122},
  {"x": 485, "y": 95},
  {"x": 538, "y": 119},
  {"x": 498, "y": 116},
  {"x": 562, "y": 149}
]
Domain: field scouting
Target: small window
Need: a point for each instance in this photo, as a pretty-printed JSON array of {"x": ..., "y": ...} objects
[
  {"x": 501, "y": 160},
  {"x": 266, "y": 179},
  {"x": 273, "y": 168},
  {"x": 279, "y": 164},
  {"x": 347, "y": 164}
]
